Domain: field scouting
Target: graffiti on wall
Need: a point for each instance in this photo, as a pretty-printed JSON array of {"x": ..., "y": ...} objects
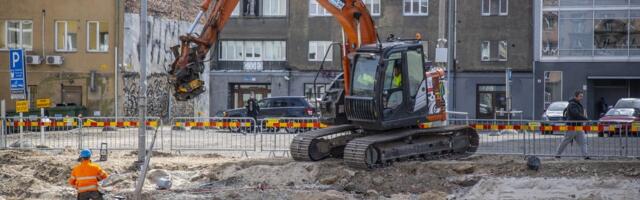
[{"x": 162, "y": 34}]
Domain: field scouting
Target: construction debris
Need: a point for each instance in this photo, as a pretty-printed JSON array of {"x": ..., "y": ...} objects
[{"x": 38, "y": 175}]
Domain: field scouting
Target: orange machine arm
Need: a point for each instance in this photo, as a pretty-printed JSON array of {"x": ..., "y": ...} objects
[
  {"x": 358, "y": 28},
  {"x": 184, "y": 68}
]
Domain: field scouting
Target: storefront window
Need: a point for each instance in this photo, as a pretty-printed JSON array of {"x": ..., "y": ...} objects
[
  {"x": 491, "y": 98},
  {"x": 552, "y": 87}
]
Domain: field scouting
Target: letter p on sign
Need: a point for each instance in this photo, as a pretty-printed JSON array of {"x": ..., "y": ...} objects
[{"x": 16, "y": 58}]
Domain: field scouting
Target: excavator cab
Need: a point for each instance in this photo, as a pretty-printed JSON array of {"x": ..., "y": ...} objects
[{"x": 388, "y": 88}]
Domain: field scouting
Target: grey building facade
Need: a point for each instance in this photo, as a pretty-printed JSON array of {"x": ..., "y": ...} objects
[
  {"x": 275, "y": 47},
  {"x": 586, "y": 45},
  {"x": 491, "y": 36}
]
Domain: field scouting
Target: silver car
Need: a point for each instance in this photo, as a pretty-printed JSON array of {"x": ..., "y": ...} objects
[{"x": 553, "y": 115}]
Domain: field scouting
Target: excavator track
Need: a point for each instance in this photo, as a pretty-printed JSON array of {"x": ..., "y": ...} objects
[
  {"x": 408, "y": 144},
  {"x": 322, "y": 143}
]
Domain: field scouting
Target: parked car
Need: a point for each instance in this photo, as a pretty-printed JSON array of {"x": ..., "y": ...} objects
[
  {"x": 277, "y": 107},
  {"x": 623, "y": 120},
  {"x": 553, "y": 115},
  {"x": 628, "y": 103}
]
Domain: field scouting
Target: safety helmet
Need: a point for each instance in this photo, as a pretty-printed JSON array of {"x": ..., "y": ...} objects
[{"x": 85, "y": 153}]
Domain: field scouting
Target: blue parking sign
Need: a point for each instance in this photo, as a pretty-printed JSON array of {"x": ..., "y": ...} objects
[{"x": 18, "y": 75}]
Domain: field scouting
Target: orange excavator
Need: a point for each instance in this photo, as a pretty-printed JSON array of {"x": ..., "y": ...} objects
[{"x": 387, "y": 106}]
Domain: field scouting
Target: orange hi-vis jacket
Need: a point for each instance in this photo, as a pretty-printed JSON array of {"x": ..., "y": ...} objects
[{"x": 85, "y": 176}]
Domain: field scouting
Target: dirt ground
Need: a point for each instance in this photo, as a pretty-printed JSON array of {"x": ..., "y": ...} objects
[{"x": 43, "y": 175}]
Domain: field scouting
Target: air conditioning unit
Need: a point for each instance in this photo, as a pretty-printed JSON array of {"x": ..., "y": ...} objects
[
  {"x": 55, "y": 60},
  {"x": 34, "y": 59}
]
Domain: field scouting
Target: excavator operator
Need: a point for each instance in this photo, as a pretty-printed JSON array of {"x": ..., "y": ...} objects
[{"x": 397, "y": 74}]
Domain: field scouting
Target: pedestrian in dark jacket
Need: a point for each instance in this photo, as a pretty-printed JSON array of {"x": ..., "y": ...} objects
[
  {"x": 252, "y": 108},
  {"x": 575, "y": 115},
  {"x": 602, "y": 107}
]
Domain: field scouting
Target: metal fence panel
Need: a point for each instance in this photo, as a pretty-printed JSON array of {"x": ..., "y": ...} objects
[
  {"x": 213, "y": 134},
  {"x": 277, "y": 133},
  {"x": 43, "y": 133},
  {"x": 118, "y": 133},
  {"x": 498, "y": 136}
]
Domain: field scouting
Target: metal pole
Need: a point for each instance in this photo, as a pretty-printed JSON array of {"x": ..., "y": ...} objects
[
  {"x": 142, "y": 104},
  {"x": 21, "y": 125},
  {"x": 451, "y": 46},
  {"x": 42, "y": 126},
  {"x": 3, "y": 116}
]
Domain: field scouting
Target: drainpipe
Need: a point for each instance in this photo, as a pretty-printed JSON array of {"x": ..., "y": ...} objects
[
  {"x": 115, "y": 63},
  {"x": 44, "y": 13}
]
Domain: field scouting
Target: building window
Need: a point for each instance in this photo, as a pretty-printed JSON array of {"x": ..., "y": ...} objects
[
  {"x": 550, "y": 33},
  {"x": 495, "y": 7},
  {"x": 250, "y": 8},
  {"x": 316, "y": 9},
  {"x": 66, "y": 35},
  {"x": 236, "y": 11},
  {"x": 275, "y": 50},
  {"x": 231, "y": 50},
  {"x": 309, "y": 91},
  {"x": 274, "y": 8},
  {"x": 491, "y": 98},
  {"x": 416, "y": 7},
  {"x": 552, "y": 87},
  {"x": 373, "y": 6},
  {"x": 486, "y": 51},
  {"x": 253, "y": 51},
  {"x": 317, "y": 50},
  {"x": 97, "y": 36},
  {"x": 502, "y": 50},
  {"x": 611, "y": 33},
  {"x": 16, "y": 34}
]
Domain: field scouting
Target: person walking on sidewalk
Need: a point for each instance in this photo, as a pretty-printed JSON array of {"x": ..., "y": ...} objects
[
  {"x": 574, "y": 113},
  {"x": 85, "y": 177}
]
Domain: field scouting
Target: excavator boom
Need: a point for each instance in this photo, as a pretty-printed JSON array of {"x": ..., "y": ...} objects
[{"x": 192, "y": 51}]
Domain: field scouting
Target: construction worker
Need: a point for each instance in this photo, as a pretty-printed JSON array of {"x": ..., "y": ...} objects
[
  {"x": 365, "y": 80},
  {"x": 397, "y": 75},
  {"x": 85, "y": 177}
]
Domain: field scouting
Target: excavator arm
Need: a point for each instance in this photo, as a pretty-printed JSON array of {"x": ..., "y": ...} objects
[
  {"x": 357, "y": 26},
  {"x": 190, "y": 54}
]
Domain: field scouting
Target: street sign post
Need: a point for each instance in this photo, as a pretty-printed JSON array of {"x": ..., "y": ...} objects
[
  {"x": 43, "y": 103},
  {"x": 22, "y": 106},
  {"x": 18, "y": 75}
]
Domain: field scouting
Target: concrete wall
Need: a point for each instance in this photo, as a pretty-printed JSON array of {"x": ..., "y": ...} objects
[
  {"x": 77, "y": 65},
  {"x": 465, "y": 87},
  {"x": 473, "y": 28},
  {"x": 575, "y": 76},
  {"x": 168, "y": 19}
]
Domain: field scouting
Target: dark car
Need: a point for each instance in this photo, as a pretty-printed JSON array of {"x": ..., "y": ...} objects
[
  {"x": 622, "y": 119},
  {"x": 277, "y": 107}
]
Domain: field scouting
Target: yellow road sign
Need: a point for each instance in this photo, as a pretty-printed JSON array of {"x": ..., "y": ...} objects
[
  {"x": 43, "y": 103},
  {"x": 22, "y": 106}
]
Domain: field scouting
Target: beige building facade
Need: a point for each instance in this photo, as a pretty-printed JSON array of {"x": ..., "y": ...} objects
[{"x": 71, "y": 48}]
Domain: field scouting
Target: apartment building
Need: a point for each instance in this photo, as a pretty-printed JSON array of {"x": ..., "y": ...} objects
[
  {"x": 591, "y": 45},
  {"x": 491, "y": 36},
  {"x": 70, "y": 47},
  {"x": 275, "y": 47}
]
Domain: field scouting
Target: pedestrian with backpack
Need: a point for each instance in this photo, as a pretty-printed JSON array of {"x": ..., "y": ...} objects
[{"x": 574, "y": 113}]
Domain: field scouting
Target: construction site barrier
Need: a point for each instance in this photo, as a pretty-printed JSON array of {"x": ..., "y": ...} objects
[
  {"x": 274, "y": 135},
  {"x": 213, "y": 134},
  {"x": 43, "y": 133},
  {"x": 277, "y": 133},
  {"x": 118, "y": 133},
  {"x": 76, "y": 133}
]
